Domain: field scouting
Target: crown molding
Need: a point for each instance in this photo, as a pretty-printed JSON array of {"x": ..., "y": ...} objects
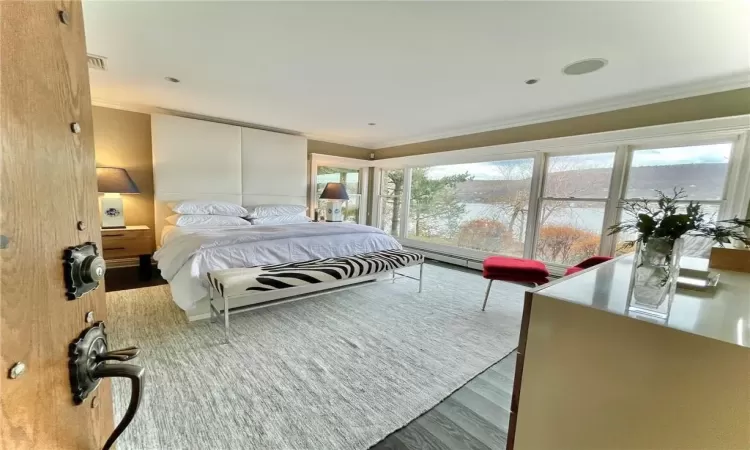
[
  {"x": 348, "y": 143},
  {"x": 145, "y": 109},
  {"x": 711, "y": 86},
  {"x": 673, "y": 134}
]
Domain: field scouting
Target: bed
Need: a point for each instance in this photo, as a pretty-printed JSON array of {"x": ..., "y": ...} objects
[{"x": 187, "y": 254}]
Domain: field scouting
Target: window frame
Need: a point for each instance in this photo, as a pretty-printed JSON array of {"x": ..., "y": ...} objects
[
  {"x": 455, "y": 250},
  {"x": 376, "y": 210},
  {"x": 362, "y": 165},
  {"x": 545, "y": 156},
  {"x": 736, "y": 196},
  {"x": 626, "y": 152}
]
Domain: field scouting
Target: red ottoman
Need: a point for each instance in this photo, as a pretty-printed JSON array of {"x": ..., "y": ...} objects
[
  {"x": 513, "y": 270},
  {"x": 591, "y": 262}
]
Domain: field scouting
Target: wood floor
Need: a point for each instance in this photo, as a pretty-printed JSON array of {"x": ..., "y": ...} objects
[
  {"x": 124, "y": 278},
  {"x": 474, "y": 417}
]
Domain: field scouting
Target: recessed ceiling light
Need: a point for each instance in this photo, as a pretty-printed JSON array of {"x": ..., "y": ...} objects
[
  {"x": 172, "y": 79},
  {"x": 584, "y": 66},
  {"x": 532, "y": 81},
  {"x": 372, "y": 124}
]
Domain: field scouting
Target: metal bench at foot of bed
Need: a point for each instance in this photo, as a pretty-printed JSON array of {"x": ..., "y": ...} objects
[{"x": 245, "y": 282}]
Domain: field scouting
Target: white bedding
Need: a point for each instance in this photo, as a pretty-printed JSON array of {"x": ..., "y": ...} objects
[{"x": 187, "y": 254}]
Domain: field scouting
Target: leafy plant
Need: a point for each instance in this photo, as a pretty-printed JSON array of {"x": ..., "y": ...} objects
[{"x": 662, "y": 220}]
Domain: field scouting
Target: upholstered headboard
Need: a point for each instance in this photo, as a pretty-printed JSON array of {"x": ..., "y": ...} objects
[{"x": 199, "y": 160}]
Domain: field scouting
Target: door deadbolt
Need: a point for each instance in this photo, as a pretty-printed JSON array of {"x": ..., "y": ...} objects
[{"x": 84, "y": 269}]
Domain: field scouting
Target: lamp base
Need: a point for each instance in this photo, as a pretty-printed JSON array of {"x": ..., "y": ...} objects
[
  {"x": 334, "y": 213},
  {"x": 112, "y": 211}
]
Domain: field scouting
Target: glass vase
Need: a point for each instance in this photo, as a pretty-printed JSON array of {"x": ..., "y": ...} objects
[{"x": 653, "y": 280}]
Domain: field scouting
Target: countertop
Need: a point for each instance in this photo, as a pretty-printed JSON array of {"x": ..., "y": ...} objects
[{"x": 722, "y": 314}]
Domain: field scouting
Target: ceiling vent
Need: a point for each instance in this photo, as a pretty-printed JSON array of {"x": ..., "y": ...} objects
[{"x": 97, "y": 62}]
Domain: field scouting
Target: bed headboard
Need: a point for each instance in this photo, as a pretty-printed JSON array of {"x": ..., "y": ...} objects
[{"x": 199, "y": 160}]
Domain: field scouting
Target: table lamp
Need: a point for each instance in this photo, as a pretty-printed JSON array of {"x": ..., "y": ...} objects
[
  {"x": 335, "y": 193},
  {"x": 112, "y": 182}
]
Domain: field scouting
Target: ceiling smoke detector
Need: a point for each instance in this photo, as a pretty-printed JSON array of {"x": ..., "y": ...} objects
[
  {"x": 97, "y": 62},
  {"x": 584, "y": 66}
]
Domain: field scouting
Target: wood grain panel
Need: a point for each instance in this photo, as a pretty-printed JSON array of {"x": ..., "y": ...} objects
[
  {"x": 518, "y": 377},
  {"x": 734, "y": 259},
  {"x": 47, "y": 185},
  {"x": 123, "y": 139}
]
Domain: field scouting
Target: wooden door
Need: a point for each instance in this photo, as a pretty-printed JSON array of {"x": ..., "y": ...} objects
[{"x": 48, "y": 187}]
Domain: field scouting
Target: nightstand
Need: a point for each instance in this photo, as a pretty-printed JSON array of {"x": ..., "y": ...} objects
[{"x": 130, "y": 242}]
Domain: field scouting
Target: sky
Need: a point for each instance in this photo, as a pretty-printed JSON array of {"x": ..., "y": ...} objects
[{"x": 519, "y": 169}]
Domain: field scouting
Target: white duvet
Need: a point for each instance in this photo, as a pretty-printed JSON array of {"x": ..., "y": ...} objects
[{"x": 187, "y": 254}]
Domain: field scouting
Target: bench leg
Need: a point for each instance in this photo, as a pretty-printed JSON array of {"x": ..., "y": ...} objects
[
  {"x": 421, "y": 271},
  {"x": 393, "y": 276},
  {"x": 211, "y": 314},
  {"x": 487, "y": 295},
  {"x": 226, "y": 317}
]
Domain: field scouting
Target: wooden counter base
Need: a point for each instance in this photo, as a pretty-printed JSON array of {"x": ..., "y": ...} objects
[{"x": 596, "y": 380}]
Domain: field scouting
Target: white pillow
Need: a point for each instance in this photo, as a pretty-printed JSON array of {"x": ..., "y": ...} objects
[
  {"x": 209, "y": 207},
  {"x": 275, "y": 210},
  {"x": 280, "y": 220},
  {"x": 206, "y": 221}
]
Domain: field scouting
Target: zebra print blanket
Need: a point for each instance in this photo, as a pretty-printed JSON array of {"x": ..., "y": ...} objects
[{"x": 245, "y": 281}]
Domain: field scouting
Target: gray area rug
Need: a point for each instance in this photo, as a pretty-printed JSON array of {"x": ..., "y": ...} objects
[{"x": 338, "y": 371}]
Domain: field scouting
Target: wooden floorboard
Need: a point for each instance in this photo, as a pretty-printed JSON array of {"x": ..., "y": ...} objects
[
  {"x": 449, "y": 432},
  {"x": 415, "y": 436},
  {"x": 481, "y": 405},
  {"x": 499, "y": 381},
  {"x": 474, "y": 417},
  {"x": 123, "y": 278},
  {"x": 491, "y": 392},
  {"x": 392, "y": 442},
  {"x": 488, "y": 433}
]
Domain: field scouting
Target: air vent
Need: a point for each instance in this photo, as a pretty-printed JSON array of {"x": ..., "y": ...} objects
[{"x": 97, "y": 62}]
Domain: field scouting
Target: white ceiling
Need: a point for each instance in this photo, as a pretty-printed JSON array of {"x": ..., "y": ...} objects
[{"x": 419, "y": 70}]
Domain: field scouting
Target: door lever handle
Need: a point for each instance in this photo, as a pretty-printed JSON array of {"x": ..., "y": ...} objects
[
  {"x": 88, "y": 365},
  {"x": 124, "y": 354},
  {"x": 137, "y": 377}
]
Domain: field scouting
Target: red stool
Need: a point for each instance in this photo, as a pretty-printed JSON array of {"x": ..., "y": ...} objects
[
  {"x": 586, "y": 263},
  {"x": 513, "y": 270}
]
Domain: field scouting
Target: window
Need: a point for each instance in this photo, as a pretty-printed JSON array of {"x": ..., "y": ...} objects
[
  {"x": 391, "y": 196},
  {"x": 571, "y": 210},
  {"x": 480, "y": 206},
  {"x": 700, "y": 170},
  {"x": 350, "y": 179},
  {"x": 556, "y": 205}
]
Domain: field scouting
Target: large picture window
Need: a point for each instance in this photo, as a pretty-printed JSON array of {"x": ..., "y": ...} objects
[
  {"x": 478, "y": 206},
  {"x": 571, "y": 216},
  {"x": 556, "y": 203}
]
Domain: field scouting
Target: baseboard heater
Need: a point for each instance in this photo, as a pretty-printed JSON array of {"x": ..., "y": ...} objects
[
  {"x": 450, "y": 259},
  {"x": 555, "y": 271}
]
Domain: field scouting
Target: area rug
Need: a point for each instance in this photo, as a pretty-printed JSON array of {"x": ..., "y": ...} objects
[{"x": 338, "y": 371}]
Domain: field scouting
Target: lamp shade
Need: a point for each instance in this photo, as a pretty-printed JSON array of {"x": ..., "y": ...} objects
[
  {"x": 334, "y": 191},
  {"x": 115, "y": 180}
]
